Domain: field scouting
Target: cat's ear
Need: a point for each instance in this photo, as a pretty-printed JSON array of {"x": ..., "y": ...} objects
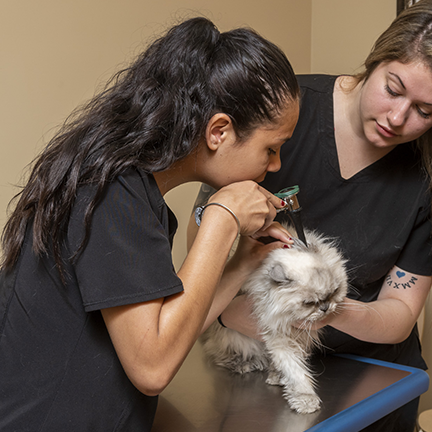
[{"x": 277, "y": 273}]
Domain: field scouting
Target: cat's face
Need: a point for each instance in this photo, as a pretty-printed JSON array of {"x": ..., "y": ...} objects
[{"x": 308, "y": 283}]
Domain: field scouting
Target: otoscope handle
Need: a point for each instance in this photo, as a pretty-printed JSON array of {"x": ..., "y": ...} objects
[{"x": 296, "y": 218}]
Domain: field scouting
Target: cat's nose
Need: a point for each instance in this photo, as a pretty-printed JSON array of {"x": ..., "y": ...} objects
[{"x": 324, "y": 307}]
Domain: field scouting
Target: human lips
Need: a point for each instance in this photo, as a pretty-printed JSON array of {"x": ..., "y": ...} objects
[{"x": 385, "y": 131}]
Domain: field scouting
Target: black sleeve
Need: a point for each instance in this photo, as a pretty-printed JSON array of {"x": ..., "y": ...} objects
[
  {"x": 127, "y": 258},
  {"x": 416, "y": 256}
]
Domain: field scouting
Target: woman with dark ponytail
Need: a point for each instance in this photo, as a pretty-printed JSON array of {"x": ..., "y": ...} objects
[{"x": 94, "y": 321}]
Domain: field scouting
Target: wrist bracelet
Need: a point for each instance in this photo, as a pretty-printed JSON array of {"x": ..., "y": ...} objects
[
  {"x": 220, "y": 321},
  {"x": 200, "y": 210}
]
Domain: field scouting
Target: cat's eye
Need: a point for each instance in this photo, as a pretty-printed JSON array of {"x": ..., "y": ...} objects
[{"x": 309, "y": 303}]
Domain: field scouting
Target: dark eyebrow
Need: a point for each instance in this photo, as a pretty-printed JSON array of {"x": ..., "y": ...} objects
[
  {"x": 285, "y": 139},
  {"x": 402, "y": 84},
  {"x": 397, "y": 76}
]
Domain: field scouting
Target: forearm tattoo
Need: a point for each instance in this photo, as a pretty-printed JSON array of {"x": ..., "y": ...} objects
[{"x": 401, "y": 280}]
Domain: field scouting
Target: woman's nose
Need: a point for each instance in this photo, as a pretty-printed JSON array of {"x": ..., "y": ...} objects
[
  {"x": 275, "y": 163},
  {"x": 398, "y": 115}
]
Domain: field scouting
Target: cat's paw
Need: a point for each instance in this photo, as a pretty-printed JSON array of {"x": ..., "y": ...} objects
[
  {"x": 304, "y": 403},
  {"x": 274, "y": 378},
  {"x": 244, "y": 368},
  {"x": 240, "y": 366}
]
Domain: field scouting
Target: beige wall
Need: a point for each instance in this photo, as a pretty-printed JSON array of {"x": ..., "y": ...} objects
[{"x": 343, "y": 32}]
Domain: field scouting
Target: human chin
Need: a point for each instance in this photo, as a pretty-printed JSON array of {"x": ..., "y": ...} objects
[{"x": 260, "y": 178}]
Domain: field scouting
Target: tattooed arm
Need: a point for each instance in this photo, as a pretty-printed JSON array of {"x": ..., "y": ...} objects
[
  {"x": 392, "y": 316},
  {"x": 388, "y": 320}
]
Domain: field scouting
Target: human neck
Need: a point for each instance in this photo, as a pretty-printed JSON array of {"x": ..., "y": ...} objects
[{"x": 178, "y": 173}]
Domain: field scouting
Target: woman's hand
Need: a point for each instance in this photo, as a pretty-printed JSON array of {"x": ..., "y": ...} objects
[
  {"x": 276, "y": 232},
  {"x": 238, "y": 316},
  {"x": 316, "y": 325},
  {"x": 248, "y": 256},
  {"x": 254, "y": 206},
  {"x": 252, "y": 250}
]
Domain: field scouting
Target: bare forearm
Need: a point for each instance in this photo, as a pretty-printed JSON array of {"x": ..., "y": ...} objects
[
  {"x": 390, "y": 318},
  {"x": 385, "y": 321},
  {"x": 238, "y": 316},
  {"x": 153, "y": 338},
  {"x": 231, "y": 281},
  {"x": 200, "y": 273}
]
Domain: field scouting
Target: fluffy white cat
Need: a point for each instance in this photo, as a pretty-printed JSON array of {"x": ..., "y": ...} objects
[{"x": 297, "y": 285}]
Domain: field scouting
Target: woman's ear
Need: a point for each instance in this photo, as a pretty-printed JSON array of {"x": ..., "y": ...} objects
[{"x": 219, "y": 130}]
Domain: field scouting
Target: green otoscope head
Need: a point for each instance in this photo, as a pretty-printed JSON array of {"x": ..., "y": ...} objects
[{"x": 289, "y": 195}]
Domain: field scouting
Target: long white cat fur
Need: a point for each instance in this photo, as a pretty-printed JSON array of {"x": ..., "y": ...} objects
[{"x": 291, "y": 286}]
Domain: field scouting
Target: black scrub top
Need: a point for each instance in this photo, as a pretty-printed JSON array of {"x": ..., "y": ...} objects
[
  {"x": 58, "y": 367},
  {"x": 380, "y": 216}
]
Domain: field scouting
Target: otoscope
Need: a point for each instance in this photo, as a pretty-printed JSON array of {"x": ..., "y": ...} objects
[{"x": 289, "y": 196}]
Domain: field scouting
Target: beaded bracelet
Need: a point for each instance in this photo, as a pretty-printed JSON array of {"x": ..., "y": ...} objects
[{"x": 200, "y": 210}]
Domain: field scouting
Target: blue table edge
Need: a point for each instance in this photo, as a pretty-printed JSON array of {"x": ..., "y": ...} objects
[{"x": 366, "y": 412}]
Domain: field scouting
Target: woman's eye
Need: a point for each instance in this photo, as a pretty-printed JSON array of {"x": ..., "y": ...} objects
[
  {"x": 390, "y": 91},
  {"x": 422, "y": 113},
  {"x": 271, "y": 152},
  {"x": 419, "y": 110}
]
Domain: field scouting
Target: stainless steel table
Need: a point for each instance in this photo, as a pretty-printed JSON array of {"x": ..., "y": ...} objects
[{"x": 355, "y": 392}]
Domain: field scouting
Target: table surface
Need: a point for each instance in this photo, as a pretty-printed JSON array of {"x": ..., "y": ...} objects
[{"x": 355, "y": 392}]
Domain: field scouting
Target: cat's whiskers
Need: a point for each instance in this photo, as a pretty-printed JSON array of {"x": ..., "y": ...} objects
[
  {"x": 360, "y": 306},
  {"x": 353, "y": 290}
]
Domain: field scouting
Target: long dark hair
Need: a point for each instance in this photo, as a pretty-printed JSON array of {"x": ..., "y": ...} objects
[{"x": 149, "y": 116}]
